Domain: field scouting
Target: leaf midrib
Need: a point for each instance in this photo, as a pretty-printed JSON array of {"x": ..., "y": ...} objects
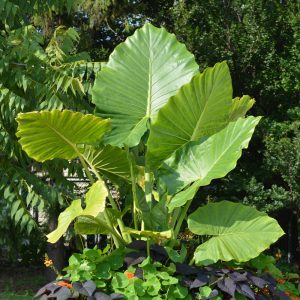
[{"x": 63, "y": 138}]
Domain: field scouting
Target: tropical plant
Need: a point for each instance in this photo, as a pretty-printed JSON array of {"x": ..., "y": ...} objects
[{"x": 164, "y": 130}]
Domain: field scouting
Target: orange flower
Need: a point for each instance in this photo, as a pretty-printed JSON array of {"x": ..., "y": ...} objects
[
  {"x": 65, "y": 284},
  {"x": 287, "y": 293},
  {"x": 48, "y": 262},
  {"x": 129, "y": 275},
  {"x": 265, "y": 291},
  {"x": 280, "y": 280}
]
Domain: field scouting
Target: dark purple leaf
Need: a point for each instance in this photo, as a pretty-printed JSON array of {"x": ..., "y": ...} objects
[
  {"x": 54, "y": 288},
  {"x": 139, "y": 273},
  {"x": 159, "y": 249},
  {"x": 62, "y": 294},
  {"x": 101, "y": 296},
  {"x": 116, "y": 296},
  {"x": 201, "y": 280},
  {"x": 184, "y": 269},
  {"x": 134, "y": 258},
  {"x": 281, "y": 295},
  {"x": 77, "y": 286},
  {"x": 237, "y": 277},
  {"x": 89, "y": 286},
  {"x": 45, "y": 288},
  {"x": 214, "y": 293},
  {"x": 138, "y": 245},
  {"x": 259, "y": 282},
  {"x": 261, "y": 297},
  {"x": 245, "y": 290},
  {"x": 187, "y": 282},
  {"x": 270, "y": 279},
  {"x": 227, "y": 285}
]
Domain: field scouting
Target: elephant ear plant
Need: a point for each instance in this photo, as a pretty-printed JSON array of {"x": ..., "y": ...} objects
[{"x": 161, "y": 131}]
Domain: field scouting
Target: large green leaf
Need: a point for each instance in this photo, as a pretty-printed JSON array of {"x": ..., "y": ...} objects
[
  {"x": 90, "y": 225},
  {"x": 98, "y": 224},
  {"x": 141, "y": 75},
  {"x": 240, "y": 106},
  {"x": 53, "y": 134},
  {"x": 109, "y": 161},
  {"x": 201, "y": 162},
  {"x": 95, "y": 204},
  {"x": 64, "y": 220},
  {"x": 238, "y": 232},
  {"x": 95, "y": 199},
  {"x": 200, "y": 108}
]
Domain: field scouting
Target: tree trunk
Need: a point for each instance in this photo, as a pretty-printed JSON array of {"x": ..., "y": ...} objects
[{"x": 56, "y": 252}]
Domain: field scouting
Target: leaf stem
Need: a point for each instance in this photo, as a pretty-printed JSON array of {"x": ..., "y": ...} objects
[
  {"x": 181, "y": 218},
  {"x": 111, "y": 200},
  {"x": 192, "y": 261},
  {"x": 133, "y": 189},
  {"x": 148, "y": 187},
  {"x": 125, "y": 236},
  {"x": 148, "y": 247},
  {"x": 87, "y": 171},
  {"x": 175, "y": 216},
  {"x": 115, "y": 234}
]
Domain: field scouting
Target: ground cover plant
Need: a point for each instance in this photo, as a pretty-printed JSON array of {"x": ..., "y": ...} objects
[{"x": 161, "y": 131}]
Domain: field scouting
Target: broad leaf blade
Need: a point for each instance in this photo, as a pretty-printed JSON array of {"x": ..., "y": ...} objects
[
  {"x": 239, "y": 232},
  {"x": 95, "y": 199},
  {"x": 201, "y": 162},
  {"x": 141, "y": 75},
  {"x": 184, "y": 196},
  {"x": 199, "y": 109},
  {"x": 240, "y": 106},
  {"x": 57, "y": 134},
  {"x": 64, "y": 220},
  {"x": 90, "y": 225},
  {"x": 95, "y": 205},
  {"x": 109, "y": 161}
]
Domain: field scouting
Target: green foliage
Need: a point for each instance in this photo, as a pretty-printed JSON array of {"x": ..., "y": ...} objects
[
  {"x": 211, "y": 141},
  {"x": 94, "y": 264},
  {"x": 158, "y": 282},
  {"x": 48, "y": 135},
  {"x": 200, "y": 162},
  {"x": 133, "y": 95},
  {"x": 238, "y": 232},
  {"x": 258, "y": 40},
  {"x": 35, "y": 74},
  {"x": 95, "y": 204}
]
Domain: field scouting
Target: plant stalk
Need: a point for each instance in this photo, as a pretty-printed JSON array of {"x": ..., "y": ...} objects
[
  {"x": 116, "y": 236},
  {"x": 125, "y": 236},
  {"x": 148, "y": 187},
  {"x": 87, "y": 171},
  {"x": 133, "y": 189},
  {"x": 181, "y": 218},
  {"x": 111, "y": 200}
]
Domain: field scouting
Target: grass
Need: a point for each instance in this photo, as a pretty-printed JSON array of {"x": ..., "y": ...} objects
[
  {"x": 20, "y": 283},
  {"x": 15, "y": 296}
]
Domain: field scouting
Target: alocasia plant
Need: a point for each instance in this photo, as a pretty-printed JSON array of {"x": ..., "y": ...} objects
[{"x": 163, "y": 130}]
